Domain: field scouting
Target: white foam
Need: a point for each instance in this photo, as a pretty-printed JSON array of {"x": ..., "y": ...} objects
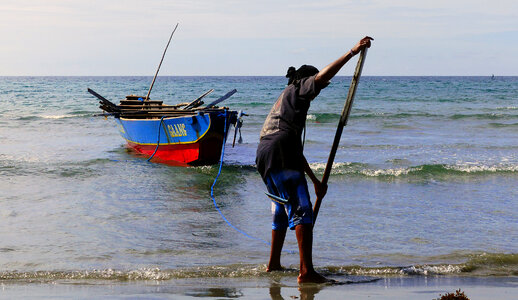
[
  {"x": 432, "y": 270},
  {"x": 471, "y": 168},
  {"x": 322, "y": 166},
  {"x": 508, "y": 107},
  {"x": 388, "y": 172},
  {"x": 411, "y": 270},
  {"x": 343, "y": 168},
  {"x": 57, "y": 117}
]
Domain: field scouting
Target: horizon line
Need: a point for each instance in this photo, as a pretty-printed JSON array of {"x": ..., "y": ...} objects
[{"x": 492, "y": 75}]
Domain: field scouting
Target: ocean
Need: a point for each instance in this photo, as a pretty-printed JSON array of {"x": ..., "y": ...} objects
[{"x": 423, "y": 185}]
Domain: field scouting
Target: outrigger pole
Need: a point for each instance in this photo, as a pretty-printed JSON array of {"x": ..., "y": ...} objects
[
  {"x": 341, "y": 124},
  {"x": 160, "y": 64}
]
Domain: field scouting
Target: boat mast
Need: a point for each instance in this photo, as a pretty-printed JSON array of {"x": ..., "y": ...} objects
[{"x": 160, "y": 64}]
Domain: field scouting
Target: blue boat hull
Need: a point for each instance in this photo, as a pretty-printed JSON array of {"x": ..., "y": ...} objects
[{"x": 184, "y": 141}]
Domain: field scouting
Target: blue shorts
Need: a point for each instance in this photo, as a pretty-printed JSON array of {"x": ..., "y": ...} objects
[{"x": 290, "y": 185}]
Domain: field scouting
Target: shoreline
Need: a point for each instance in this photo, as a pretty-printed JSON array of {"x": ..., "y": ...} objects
[{"x": 358, "y": 287}]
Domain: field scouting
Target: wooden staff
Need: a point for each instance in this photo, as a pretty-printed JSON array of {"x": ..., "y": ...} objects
[
  {"x": 341, "y": 124},
  {"x": 160, "y": 64}
]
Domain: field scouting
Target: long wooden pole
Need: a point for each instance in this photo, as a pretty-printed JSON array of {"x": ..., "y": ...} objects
[
  {"x": 160, "y": 64},
  {"x": 341, "y": 124}
]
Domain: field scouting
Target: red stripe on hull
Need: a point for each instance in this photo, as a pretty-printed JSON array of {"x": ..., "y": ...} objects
[{"x": 177, "y": 155}]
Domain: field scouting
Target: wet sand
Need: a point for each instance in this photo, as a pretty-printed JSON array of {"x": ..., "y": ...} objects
[{"x": 412, "y": 287}]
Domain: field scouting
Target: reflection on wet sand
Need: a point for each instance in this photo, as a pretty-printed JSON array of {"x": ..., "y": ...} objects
[{"x": 307, "y": 292}]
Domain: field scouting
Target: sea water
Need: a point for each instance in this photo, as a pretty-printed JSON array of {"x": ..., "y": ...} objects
[{"x": 424, "y": 182}]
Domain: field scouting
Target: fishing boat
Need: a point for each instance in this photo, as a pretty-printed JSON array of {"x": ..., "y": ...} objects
[{"x": 186, "y": 134}]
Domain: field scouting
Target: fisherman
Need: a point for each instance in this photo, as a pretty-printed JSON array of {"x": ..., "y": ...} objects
[{"x": 281, "y": 162}]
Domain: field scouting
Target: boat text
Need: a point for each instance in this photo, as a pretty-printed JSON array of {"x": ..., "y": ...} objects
[{"x": 177, "y": 130}]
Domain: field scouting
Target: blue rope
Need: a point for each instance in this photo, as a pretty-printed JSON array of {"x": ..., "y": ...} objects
[
  {"x": 158, "y": 139},
  {"x": 216, "y": 179}
]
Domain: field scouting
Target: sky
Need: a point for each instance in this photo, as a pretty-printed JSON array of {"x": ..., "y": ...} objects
[{"x": 232, "y": 37}]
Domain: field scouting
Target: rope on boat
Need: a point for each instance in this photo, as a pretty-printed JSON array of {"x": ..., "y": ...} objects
[
  {"x": 158, "y": 139},
  {"x": 216, "y": 179}
]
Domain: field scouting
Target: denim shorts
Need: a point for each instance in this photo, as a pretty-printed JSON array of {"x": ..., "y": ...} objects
[{"x": 292, "y": 186}]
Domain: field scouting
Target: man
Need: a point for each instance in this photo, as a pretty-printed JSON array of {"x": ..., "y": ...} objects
[{"x": 281, "y": 162}]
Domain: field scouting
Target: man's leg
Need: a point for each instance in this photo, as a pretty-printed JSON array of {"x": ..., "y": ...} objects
[
  {"x": 279, "y": 222},
  {"x": 307, "y": 273},
  {"x": 275, "y": 254}
]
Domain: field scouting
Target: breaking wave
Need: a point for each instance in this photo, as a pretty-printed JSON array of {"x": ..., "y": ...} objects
[
  {"x": 366, "y": 170},
  {"x": 334, "y": 117},
  {"x": 482, "y": 264}
]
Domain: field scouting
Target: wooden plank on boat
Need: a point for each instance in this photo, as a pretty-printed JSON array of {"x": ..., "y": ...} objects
[
  {"x": 157, "y": 109},
  {"x": 146, "y": 112},
  {"x": 157, "y": 116},
  {"x": 224, "y": 97},
  {"x": 197, "y": 102},
  {"x": 144, "y": 106},
  {"x": 138, "y": 102},
  {"x": 110, "y": 107}
]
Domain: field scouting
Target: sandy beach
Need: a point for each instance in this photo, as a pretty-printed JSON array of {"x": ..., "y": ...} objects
[{"x": 401, "y": 288}]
